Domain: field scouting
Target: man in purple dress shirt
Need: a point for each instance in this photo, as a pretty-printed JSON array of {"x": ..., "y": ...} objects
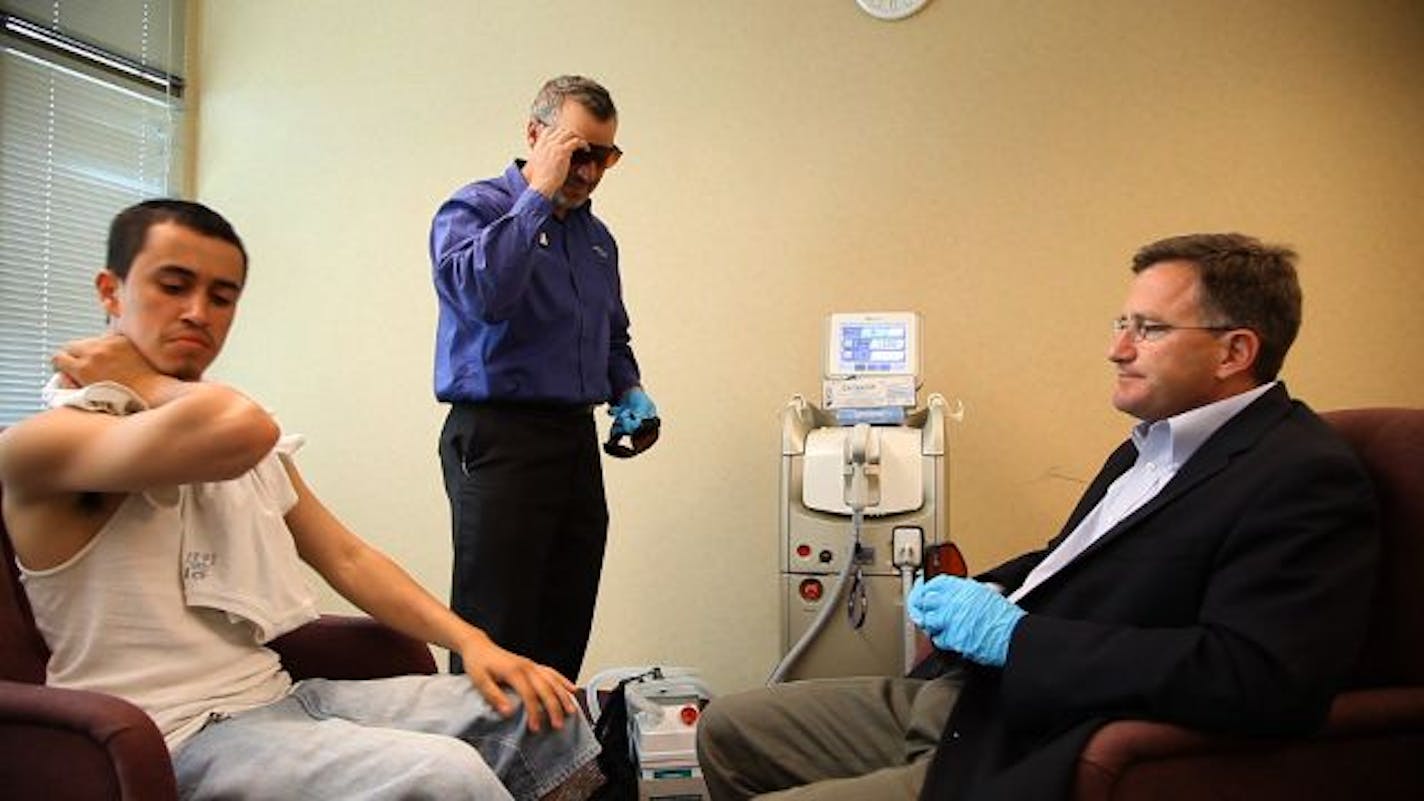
[{"x": 532, "y": 335}]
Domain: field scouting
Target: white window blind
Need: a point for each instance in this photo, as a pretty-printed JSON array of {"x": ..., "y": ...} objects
[{"x": 79, "y": 140}]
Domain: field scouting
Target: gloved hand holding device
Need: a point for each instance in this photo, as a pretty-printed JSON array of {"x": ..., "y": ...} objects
[
  {"x": 636, "y": 417},
  {"x": 965, "y": 616}
]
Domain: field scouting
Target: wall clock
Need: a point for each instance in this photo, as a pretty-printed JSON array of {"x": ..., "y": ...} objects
[{"x": 891, "y": 9}]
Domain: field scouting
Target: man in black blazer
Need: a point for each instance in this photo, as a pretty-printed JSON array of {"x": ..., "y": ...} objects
[{"x": 1216, "y": 574}]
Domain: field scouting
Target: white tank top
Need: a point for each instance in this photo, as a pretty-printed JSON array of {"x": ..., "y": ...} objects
[{"x": 115, "y": 621}]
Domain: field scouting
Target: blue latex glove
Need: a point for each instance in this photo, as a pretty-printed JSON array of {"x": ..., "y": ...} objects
[
  {"x": 965, "y": 616},
  {"x": 631, "y": 410}
]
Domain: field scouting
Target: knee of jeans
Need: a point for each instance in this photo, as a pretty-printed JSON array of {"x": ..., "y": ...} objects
[
  {"x": 454, "y": 770},
  {"x": 527, "y": 761}
]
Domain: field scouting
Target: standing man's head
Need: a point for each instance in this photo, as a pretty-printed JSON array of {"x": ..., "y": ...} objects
[
  {"x": 1207, "y": 316},
  {"x": 577, "y": 107},
  {"x": 174, "y": 273}
]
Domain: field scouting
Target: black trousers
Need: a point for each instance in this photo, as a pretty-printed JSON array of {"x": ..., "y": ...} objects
[{"x": 529, "y": 523}]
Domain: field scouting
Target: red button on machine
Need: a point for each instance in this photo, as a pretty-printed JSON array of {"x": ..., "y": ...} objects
[{"x": 811, "y": 590}]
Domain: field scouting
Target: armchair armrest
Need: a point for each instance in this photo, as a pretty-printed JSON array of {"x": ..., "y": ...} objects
[
  {"x": 1368, "y": 748},
  {"x": 347, "y": 647},
  {"x": 1376, "y": 711},
  {"x": 71, "y": 744}
]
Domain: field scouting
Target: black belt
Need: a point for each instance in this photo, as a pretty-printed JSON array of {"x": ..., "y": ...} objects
[{"x": 535, "y": 407}]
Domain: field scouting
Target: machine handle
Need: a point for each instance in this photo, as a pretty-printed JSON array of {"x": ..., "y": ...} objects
[{"x": 945, "y": 559}]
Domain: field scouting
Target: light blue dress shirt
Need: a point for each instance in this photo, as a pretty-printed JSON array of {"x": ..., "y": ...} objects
[{"x": 1162, "y": 448}]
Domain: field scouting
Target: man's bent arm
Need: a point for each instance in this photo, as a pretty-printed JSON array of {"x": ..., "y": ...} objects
[
  {"x": 196, "y": 432},
  {"x": 481, "y": 267}
]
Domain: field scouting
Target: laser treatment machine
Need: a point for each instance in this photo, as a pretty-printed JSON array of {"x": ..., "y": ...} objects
[
  {"x": 662, "y": 706},
  {"x": 861, "y": 501}
]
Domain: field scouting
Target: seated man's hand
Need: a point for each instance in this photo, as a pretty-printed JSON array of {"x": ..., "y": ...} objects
[
  {"x": 631, "y": 410},
  {"x": 965, "y": 616},
  {"x": 545, "y": 691}
]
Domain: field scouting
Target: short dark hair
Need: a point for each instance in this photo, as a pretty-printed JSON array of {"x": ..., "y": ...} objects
[
  {"x": 1244, "y": 282},
  {"x": 130, "y": 228},
  {"x": 586, "y": 91}
]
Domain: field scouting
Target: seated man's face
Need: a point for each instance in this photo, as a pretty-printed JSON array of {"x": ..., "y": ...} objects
[
  {"x": 1178, "y": 372},
  {"x": 178, "y": 300}
]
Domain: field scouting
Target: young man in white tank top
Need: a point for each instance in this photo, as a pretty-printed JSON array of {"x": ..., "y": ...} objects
[{"x": 99, "y": 505}]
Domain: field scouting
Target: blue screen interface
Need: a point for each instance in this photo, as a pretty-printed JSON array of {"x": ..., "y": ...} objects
[{"x": 874, "y": 348}]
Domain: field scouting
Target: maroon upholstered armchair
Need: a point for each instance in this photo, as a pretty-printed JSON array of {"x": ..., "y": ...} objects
[
  {"x": 1372, "y": 746},
  {"x": 58, "y": 744}
]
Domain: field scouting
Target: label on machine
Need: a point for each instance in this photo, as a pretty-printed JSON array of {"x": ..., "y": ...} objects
[{"x": 869, "y": 392}]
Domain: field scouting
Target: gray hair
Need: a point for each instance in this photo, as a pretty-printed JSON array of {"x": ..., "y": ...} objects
[{"x": 586, "y": 91}]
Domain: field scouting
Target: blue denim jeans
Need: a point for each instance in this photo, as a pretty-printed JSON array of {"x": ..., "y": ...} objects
[{"x": 411, "y": 737}]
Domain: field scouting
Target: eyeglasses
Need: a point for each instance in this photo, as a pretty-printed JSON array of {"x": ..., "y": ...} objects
[
  {"x": 1144, "y": 331},
  {"x": 604, "y": 156}
]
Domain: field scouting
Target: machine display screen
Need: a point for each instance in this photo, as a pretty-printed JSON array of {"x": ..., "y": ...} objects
[{"x": 873, "y": 344}]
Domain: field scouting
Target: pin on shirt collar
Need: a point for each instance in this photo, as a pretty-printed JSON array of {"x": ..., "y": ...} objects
[{"x": 543, "y": 239}]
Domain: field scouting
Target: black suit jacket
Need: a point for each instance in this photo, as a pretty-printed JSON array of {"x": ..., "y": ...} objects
[{"x": 1233, "y": 601}]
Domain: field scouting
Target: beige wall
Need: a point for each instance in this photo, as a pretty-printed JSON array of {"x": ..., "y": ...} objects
[{"x": 989, "y": 164}]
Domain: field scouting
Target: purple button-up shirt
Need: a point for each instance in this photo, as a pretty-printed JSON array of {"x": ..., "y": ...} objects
[{"x": 531, "y": 307}]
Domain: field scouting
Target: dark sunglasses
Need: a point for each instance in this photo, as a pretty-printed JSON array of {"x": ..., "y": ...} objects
[{"x": 604, "y": 156}]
